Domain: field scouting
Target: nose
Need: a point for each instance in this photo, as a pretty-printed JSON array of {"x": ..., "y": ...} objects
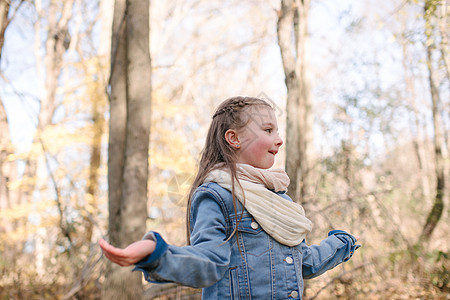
[{"x": 279, "y": 141}]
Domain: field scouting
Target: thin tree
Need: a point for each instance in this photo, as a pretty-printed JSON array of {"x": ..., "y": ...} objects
[
  {"x": 130, "y": 99},
  {"x": 293, "y": 40},
  {"x": 438, "y": 205},
  {"x": 98, "y": 103}
]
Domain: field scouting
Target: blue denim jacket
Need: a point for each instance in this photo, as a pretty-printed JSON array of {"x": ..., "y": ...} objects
[{"x": 249, "y": 265}]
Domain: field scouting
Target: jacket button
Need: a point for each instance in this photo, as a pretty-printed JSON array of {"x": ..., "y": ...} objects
[
  {"x": 289, "y": 260},
  {"x": 254, "y": 225},
  {"x": 293, "y": 294}
]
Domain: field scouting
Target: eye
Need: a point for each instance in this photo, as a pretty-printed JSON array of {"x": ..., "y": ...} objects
[{"x": 269, "y": 130}]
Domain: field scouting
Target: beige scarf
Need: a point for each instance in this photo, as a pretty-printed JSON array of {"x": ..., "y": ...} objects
[{"x": 282, "y": 219}]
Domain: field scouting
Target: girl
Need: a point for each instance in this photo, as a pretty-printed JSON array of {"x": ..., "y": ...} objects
[{"x": 247, "y": 237}]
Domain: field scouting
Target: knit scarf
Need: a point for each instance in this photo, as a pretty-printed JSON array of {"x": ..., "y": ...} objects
[{"x": 282, "y": 219}]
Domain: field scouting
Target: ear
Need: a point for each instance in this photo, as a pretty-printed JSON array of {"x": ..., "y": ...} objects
[{"x": 232, "y": 138}]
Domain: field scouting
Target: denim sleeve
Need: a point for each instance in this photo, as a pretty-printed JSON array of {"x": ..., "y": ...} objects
[
  {"x": 337, "y": 248},
  {"x": 199, "y": 265}
]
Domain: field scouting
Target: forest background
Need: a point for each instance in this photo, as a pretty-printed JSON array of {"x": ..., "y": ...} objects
[{"x": 378, "y": 73}]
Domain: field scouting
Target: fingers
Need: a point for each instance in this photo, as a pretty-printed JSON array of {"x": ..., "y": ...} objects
[
  {"x": 103, "y": 244},
  {"x": 106, "y": 247},
  {"x": 115, "y": 255},
  {"x": 111, "y": 258},
  {"x": 130, "y": 255},
  {"x": 119, "y": 261}
]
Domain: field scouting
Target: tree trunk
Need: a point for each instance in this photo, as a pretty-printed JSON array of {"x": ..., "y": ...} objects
[
  {"x": 438, "y": 206},
  {"x": 94, "y": 165},
  {"x": 98, "y": 109},
  {"x": 130, "y": 109},
  {"x": 293, "y": 22}
]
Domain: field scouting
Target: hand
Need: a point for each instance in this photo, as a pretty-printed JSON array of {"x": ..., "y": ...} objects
[{"x": 131, "y": 254}]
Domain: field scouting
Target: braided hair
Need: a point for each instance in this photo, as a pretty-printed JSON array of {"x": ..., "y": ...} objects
[{"x": 229, "y": 115}]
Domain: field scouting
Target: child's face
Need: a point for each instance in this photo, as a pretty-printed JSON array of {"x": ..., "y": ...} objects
[{"x": 259, "y": 139}]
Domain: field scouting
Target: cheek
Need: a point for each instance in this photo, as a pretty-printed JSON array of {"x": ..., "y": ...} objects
[
  {"x": 264, "y": 141},
  {"x": 260, "y": 146}
]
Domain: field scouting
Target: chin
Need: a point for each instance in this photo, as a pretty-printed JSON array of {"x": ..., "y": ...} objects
[{"x": 266, "y": 165}]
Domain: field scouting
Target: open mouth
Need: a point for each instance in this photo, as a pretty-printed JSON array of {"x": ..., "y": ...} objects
[{"x": 274, "y": 152}]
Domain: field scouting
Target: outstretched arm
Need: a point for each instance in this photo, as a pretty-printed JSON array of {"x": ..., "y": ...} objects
[
  {"x": 337, "y": 248},
  {"x": 199, "y": 265},
  {"x": 130, "y": 255}
]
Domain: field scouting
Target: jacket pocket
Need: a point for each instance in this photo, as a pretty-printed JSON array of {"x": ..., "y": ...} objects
[
  {"x": 255, "y": 240},
  {"x": 234, "y": 283}
]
